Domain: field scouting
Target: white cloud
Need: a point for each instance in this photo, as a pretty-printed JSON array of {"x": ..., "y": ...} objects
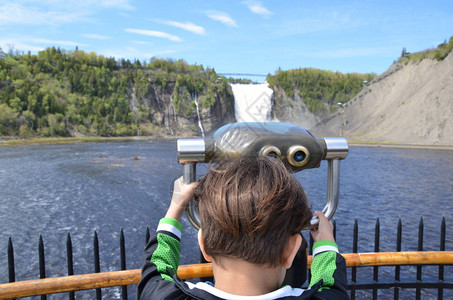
[
  {"x": 123, "y": 4},
  {"x": 34, "y": 44},
  {"x": 349, "y": 52},
  {"x": 140, "y": 42},
  {"x": 257, "y": 7},
  {"x": 132, "y": 53},
  {"x": 186, "y": 26},
  {"x": 116, "y": 55},
  {"x": 130, "y": 49},
  {"x": 319, "y": 21},
  {"x": 16, "y": 44},
  {"x": 153, "y": 33},
  {"x": 96, "y": 36},
  {"x": 78, "y": 4},
  {"x": 16, "y": 13},
  {"x": 221, "y": 17},
  {"x": 51, "y": 43},
  {"x": 55, "y": 12}
]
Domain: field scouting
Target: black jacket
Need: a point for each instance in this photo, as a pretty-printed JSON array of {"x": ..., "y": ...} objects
[{"x": 159, "y": 280}]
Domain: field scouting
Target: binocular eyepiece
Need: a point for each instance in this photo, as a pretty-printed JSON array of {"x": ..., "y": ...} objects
[{"x": 295, "y": 146}]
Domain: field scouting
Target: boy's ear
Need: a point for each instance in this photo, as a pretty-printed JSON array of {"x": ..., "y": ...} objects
[
  {"x": 292, "y": 246},
  {"x": 206, "y": 256}
]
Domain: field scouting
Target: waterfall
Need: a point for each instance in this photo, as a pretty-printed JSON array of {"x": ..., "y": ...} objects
[
  {"x": 252, "y": 102},
  {"x": 195, "y": 98},
  {"x": 134, "y": 108}
]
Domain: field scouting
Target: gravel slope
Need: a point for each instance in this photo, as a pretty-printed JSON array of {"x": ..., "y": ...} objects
[{"x": 411, "y": 104}]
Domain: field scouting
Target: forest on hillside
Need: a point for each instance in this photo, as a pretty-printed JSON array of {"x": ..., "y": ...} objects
[
  {"x": 67, "y": 93},
  {"x": 320, "y": 90}
]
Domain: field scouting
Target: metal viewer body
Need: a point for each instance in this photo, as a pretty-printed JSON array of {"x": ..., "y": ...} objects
[{"x": 295, "y": 146}]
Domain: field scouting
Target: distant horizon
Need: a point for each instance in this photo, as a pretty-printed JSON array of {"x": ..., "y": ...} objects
[
  {"x": 255, "y": 78},
  {"x": 245, "y": 37}
]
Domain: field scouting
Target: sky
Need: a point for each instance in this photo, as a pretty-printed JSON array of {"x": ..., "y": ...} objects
[{"x": 233, "y": 37}]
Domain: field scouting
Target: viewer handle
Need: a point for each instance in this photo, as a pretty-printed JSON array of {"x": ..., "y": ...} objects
[
  {"x": 189, "y": 172},
  {"x": 333, "y": 187},
  {"x": 336, "y": 149}
]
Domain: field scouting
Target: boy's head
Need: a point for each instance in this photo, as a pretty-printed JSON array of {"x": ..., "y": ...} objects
[{"x": 249, "y": 207}]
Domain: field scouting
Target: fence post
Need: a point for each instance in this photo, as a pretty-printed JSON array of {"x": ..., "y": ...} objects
[
  {"x": 376, "y": 249},
  {"x": 11, "y": 267},
  {"x": 440, "y": 290},
  {"x": 334, "y": 229},
  {"x": 399, "y": 232},
  {"x": 419, "y": 248},
  {"x": 147, "y": 236},
  {"x": 123, "y": 261},
  {"x": 355, "y": 244},
  {"x": 97, "y": 265},
  {"x": 70, "y": 261},
  {"x": 42, "y": 262}
]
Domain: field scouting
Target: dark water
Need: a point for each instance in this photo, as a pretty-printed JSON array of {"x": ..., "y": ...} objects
[{"x": 79, "y": 188}]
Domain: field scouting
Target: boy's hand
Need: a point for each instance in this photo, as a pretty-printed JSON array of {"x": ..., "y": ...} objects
[
  {"x": 324, "y": 229},
  {"x": 182, "y": 194}
]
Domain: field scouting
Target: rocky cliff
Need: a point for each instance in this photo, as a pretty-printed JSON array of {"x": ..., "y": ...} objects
[
  {"x": 411, "y": 104},
  {"x": 292, "y": 110},
  {"x": 177, "y": 115},
  {"x": 303, "y": 96}
]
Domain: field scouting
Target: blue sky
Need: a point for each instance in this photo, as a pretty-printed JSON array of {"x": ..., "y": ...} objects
[{"x": 233, "y": 36}]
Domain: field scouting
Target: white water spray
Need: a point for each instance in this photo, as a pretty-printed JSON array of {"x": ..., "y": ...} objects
[
  {"x": 195, "y": 98},
  {"x": 252, "y": 102}
]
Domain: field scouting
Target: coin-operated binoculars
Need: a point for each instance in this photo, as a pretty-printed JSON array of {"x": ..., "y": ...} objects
[{"x": 294, "y": 145}]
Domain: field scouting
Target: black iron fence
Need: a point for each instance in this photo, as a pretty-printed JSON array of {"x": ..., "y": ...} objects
[
  {"x": 375, "y": 284},
  {"x": 70, "y": 261},
  {"x": 397, "y": 282}
]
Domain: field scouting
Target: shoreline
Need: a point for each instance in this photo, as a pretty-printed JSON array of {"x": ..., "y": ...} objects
[
  {"x": 10, "y": 142},
  {"x": 400, "y": 145}
]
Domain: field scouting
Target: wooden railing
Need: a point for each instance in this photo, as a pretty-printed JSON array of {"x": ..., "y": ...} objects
[{"x": 128, "y": 277}]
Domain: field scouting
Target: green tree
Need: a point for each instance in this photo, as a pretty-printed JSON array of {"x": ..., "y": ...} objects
[{"x": 8, "y": 120}]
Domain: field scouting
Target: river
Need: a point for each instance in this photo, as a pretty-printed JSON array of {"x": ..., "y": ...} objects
[{"x": 79, "y": 188}]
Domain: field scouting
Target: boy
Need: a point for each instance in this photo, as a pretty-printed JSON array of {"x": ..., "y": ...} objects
[{"x": 251, "y": 211}]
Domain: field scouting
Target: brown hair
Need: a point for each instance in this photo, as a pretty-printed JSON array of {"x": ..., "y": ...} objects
[{"x": 249, "y": 207}]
